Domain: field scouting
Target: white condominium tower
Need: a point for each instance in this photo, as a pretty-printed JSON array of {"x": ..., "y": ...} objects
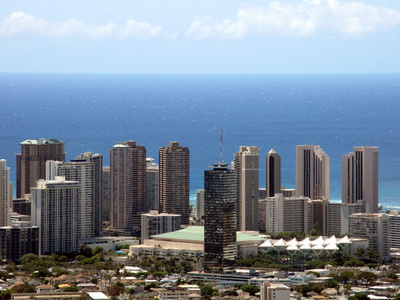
[
  {"x": 5, "y": 193},
  {"x": 87, "y": 170},
  {"x": 246, "y": 166},
  {"x": 312, "y": 172},
  {"x": 360, "y": 177},
  {"x": 55, "y": 210}
]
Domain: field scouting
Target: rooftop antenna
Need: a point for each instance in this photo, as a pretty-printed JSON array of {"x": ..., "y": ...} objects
[{"x": 220, "y": 148}]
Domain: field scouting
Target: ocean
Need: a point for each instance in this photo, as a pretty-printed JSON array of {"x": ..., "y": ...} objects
[{"x": 93, "y": 112}]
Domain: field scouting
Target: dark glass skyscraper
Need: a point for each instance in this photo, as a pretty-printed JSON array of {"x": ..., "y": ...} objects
[{"x": 220, "y": 200}]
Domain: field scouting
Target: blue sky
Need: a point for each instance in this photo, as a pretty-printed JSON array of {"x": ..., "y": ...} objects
[{"x": 130, "y": 36}]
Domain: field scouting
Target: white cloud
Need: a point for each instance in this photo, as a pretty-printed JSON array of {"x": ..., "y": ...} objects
[
  {"x": 306, "y": 18},
  {"x": 20, "y": 22}
]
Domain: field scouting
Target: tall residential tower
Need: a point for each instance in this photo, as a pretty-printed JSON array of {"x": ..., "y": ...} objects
[
  {"x": 360, "y": 177},
  {"x": 174, "y": 172},
  {"x": 128, "y": 185},
  {"x": 5, "y": 193},
  {"x": 31, "y": 162},
  {"x": 246, "y": 163},
  {"x": 312, "y": 172}
]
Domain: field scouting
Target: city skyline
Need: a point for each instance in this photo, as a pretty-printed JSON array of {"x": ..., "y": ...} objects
[{"x": 296, "y": 36}]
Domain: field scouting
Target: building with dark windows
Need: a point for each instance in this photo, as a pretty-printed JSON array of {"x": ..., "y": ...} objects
[
  {"x": 220, "y": 196},
  {"x": 273, "y": 173},
  {"x": 31, "y": 162},
  {"x": 15, "y": 242},
  {"x": 174, "y": 176},
  {"x": 128, "y": 186},
  {"x": 312, "y": 172},
  {"x": 360, "y": 177}
]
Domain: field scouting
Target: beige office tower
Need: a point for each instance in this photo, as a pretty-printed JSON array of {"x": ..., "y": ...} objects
[
  {"x": 153, "y": 181},
  {"x": 31, "y": 162},
  {"x": 273, "y": 173},
  {"x": 312, "y": 172},
  {"x": 174, "y": 163},
  {"x": 286, "y": 214},
  {"x": 360, "y": 177},
  {"x": 55, "y": 211},
  {"x": 246, "y": 166},
  {"x": 375, "y": 228},
  {"x": 87, "y": 170},
  {"x": 106, "y": 193},
  {"x": 5, "y": 194},
  {"x": 274, "y": 291},
  {"x": 128, "y": 186}
]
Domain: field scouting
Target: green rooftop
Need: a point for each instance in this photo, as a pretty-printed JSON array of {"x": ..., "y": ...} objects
[
  {"x": 42, "y": 142},
  {"x": 196, "y": 234}
]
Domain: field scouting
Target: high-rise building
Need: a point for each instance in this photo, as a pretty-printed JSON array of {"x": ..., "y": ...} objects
[
  {"x": 15, "y": 242},
  {"x": 153, "y": 182},
  {"x": 319, "y": 209},
  {"x": 87, "y": 170},
  {"x": 334, "y": 219},
  {"x": 157, "y": 223},
  {"x": 394, "y": 229},
  {"x": 55, "y": 211},
  {"x": 106, "y": 193},
  {"x": 246, "y": 166},
  {"x": 347, "y": 210},
  {"x": 220, "y": 195},
  {"x": 286, "y": 214},
  {"x": 5, "y": 193},
  {"x": 360, "y": 177},
  {"x": 128, "y": 185},
  {"x": 273, "y": 173},
  {"x": 375, "y": 228},
  {"x": 31, "y": 162},
  {"x": 174, "y": 180},
  {"x": 312, "y": 172},
  {"x": 200, "y": 204}
]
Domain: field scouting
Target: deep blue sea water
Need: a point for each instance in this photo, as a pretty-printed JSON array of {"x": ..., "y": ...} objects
[{"x": 94, "y": 112}]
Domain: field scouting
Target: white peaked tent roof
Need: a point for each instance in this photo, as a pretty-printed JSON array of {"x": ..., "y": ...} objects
[
  {"x": 344, "y": 240},
  {"x": 331, "y": 246},
  {"x": 318, "y": 241},
  {"x": 318, "y": 247},
  {"x": 280, "y": 243},
  {"x": 292, "y": 248},
  {"x": 331, "y": 240},
  {"x": 292, "y": 242},
  {"x": 305, "y": 247},
  {"x": 305, "y": 241},
  {"x": 266, "y": 244}
]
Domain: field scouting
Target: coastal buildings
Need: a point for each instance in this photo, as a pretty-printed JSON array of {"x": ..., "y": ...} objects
[
  {"x": 273, "y": 173},
  {"x": 286, "y": 214},
  {"x": 55, "y": 211},
  {"x": 360, "y": 177},
  {"x": 87, "y": 170},
  {"x": 154, "y": 223},
  {"x": 174, "y": 175},
  {"x": 153, "y": 184},
  {"x": 128, "y": 186},
  {"x": 5, "y": 193},
  {"x": 220, "y": 195},
  {"x": 246, "y": 167},
  {"x": 200, "y": 204},
  {"x": 31, "y": 162},
  {"x": 375, "y": 228},
  {"x": 312, "y": 172}
]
